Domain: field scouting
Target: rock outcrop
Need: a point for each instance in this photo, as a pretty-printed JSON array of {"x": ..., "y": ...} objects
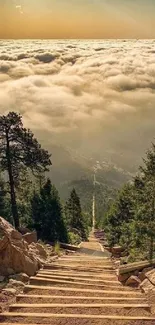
[
  {"x": 148, "y": 284},
  {"x": 16, "y": 256},
  {"x": 22, "y": 277},
  {"x": 133, "y": 281},
  {"x": 138, "y": 275},
  {"x": 30, "y": 237}
]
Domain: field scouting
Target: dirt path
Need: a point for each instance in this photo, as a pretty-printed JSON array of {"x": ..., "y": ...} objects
[{"x": 80, "y": 289}]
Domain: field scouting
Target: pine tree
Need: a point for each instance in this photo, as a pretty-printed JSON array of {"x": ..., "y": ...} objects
[
  {"x": 19, "y": 149},
  {"x": 47, "y": 214},
  {"x": 145, "y": 186},
  {"x": 131, "y": 219},
  {"x": 74, "y": 215},
  {"x": 4, "y": 211},
  {"x": 37, "y": 216},
  {"x": 119, "y": 218}
]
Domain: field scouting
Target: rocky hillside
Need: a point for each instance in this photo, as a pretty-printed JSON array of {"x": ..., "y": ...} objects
[{"x": 21, "y": 253}]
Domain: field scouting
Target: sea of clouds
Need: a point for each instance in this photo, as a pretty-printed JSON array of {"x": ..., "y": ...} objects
[{"x": 95, "y": 96}]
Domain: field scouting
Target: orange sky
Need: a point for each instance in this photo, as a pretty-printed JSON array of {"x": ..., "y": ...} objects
[{"x": 77, "y": 19}]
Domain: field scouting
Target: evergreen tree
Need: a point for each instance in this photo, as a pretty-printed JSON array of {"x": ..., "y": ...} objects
[
  {"x": 4, "y": 202},
  {"x": 120, "y": 217},
  {"x": 131, "y": 219},
  {"x": 24, "y": 192},
  {"x": 2, "y": 198},
  {"x": 74, "y": 215},
  {"x": 145, "y": 185},
  {"x": 47, "y": 214},
  {"x": 19, "y": 149}
]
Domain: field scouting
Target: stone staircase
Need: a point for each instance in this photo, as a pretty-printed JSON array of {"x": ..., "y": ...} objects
[{"x": 80, "y": 289}]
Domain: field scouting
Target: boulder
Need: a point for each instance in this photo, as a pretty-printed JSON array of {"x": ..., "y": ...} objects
[
  {"x": 42, "y": 251},
  {"x": 151, "y": 276},
  {"x": 146, "y": 286},
  {"x": 24, "y": 230},
  {"x": 123, "y": 277},
  {"x": 133, "y": 281},
  {"x": 16, "y": 235},
  {"x": 9, "y": 291},
  {"x": 14, "y": 284},
  {"x": 3, "y": 241},
  {"x": 39, "y": 251},
  {"x": 136, "y": 273},
  {"x": 22, "y": 277},
  {"x": 7, "y": 229},
  {"x": 116, "y": 251},
  {"x": 141, "y": 276},
  {"x": 15, "y": 255},
  {"x": 30, "y": 237}
]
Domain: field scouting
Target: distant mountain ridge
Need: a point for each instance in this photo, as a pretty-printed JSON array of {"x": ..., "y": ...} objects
[{"x": 71, "y": 169}]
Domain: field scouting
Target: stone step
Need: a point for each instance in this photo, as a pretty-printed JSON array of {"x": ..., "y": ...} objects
[
  {"x": 105, "y": 258},
  {"x": 79, "y": 260},
  {"x": 86, "y": 257},
  {"x": 52, "y": 297},
  {"x": 79, "y": 290},
  {"x": 110, "y": 292},
  {"x": 77, "y": 305},
  {"x": 76, "y": 265},
  {"x": 80, "y": 274},
  {"x": 88, "y": 269},
  {"x": 46, "y": 281},
  {"x": 56, "y": 279},
  {"x": 81, "y": 271},
  {"x": 74, "y": 316},
  {"x": 67, "y": 277}
]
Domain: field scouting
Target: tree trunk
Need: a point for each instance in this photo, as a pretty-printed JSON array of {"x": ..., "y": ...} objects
[
  {"x": 151, "y": 249},
  {"x": 12, "y": 187}
]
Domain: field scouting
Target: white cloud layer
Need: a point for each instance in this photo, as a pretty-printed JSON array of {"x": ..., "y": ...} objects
[{"x": 98, "y": 96}]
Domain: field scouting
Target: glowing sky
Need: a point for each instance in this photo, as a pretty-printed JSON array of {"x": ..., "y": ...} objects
[{"x": 77, "y": 19}]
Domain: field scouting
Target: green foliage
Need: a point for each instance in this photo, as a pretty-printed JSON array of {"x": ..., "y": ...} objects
[
  {"x": 57, "y": 249},
  {"x": 74, "y": 238},
  {"x": 5, "y": 211},
  {"x": 131, "y": 219},
  {"x": 19, "y": 149},
  {"x": 47, "y": 214},
  {"x": 120, "y": 216},
  {"x": 74, "y": 217}
]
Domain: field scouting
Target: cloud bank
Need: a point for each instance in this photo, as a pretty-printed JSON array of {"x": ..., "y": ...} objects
[{"x": 95, "y": 96}]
